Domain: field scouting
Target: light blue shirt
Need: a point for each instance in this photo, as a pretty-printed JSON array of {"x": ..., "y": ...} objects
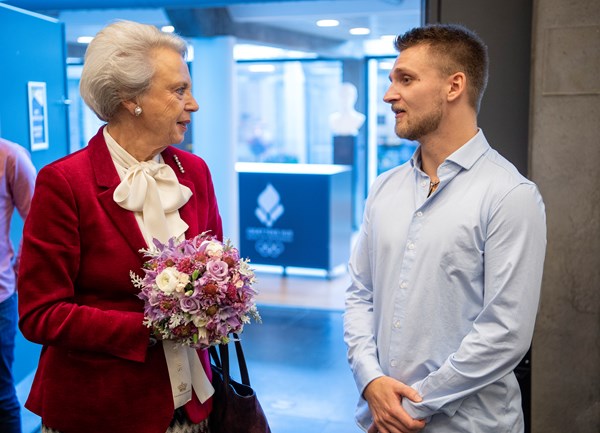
[{"x": 445, "y": 289}]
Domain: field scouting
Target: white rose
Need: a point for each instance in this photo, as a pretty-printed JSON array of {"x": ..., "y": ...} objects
[
  {"x": 182, "y": 282},
  {"x": 168, "y": 280},
  {"x": 214, "y": 249}
]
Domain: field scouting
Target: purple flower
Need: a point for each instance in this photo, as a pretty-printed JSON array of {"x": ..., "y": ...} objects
[
  {"x": 190, "y": 305},
  {"x": 217, "y": 269}
]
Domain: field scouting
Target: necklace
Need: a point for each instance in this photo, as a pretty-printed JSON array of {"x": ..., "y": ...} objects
[{"x": 432, "y": 187}]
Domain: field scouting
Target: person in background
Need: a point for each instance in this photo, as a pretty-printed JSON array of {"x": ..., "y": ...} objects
[
  {"x": 101, "y": 370},
  {"x": 17, "y": 180},
  {"x": 447, "y": 268}
]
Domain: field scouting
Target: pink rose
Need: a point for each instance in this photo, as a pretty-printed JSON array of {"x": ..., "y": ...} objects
[
  {"x": 190, "y": 305},
  {"x": 217, "y": 269}
]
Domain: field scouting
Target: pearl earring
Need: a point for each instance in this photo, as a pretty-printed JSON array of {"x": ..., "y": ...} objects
[{"x": 137, "y": 111}]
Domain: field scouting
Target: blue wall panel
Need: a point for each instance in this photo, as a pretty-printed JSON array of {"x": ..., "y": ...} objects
[{"x": 32, "y": 48}]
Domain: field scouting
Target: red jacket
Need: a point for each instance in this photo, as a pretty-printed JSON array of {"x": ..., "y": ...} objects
[{"x": 96, "y": 372}]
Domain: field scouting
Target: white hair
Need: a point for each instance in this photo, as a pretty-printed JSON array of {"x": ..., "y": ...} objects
[{"x": 118, "y": 67}]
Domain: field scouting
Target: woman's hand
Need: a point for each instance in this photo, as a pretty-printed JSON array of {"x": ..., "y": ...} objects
[{"x": 384, "y": 396}]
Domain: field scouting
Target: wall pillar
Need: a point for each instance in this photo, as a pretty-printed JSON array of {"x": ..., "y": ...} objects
[
  {"x": 564, "y": 161},
  {"x": 214, "y": 130}
]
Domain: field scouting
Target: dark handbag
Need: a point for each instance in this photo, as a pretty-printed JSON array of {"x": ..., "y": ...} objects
[{"x": 236, "y": 408}]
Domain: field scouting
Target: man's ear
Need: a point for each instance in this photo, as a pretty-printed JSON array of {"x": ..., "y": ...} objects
[{"x": 457, "y": 85}]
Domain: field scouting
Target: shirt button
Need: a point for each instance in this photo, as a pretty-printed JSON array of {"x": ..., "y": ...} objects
[
  {"x": 397, "y": 324},
  {"x": 394, "y": 363},
  {"x": 419, "y": 214},
  {"x": 411, "y": 246},
  {"x": 403, "y": 285}
]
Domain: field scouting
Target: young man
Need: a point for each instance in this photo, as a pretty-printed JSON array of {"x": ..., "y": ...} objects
[
  {"x": 17, "y": 179},
  {"x": 447, "y": 269}
]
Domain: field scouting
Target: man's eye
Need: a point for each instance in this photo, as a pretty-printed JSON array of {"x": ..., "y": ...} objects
[
  {"x": 406, "y": 80},
  {"x": 180, "y": 91}
]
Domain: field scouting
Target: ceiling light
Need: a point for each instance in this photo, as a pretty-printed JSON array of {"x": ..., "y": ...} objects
[
  {"x": 328, "y": 23},
  {"x": 84, "y": 39},
  {"x": 167, "y": 29},
  {"x": 360, "y": 31}
]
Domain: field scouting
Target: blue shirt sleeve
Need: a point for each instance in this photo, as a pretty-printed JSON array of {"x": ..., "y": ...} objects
[{"x": 359, "y": 316}]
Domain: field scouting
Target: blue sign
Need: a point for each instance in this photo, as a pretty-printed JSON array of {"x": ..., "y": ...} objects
[
  {"x": 38, "y": 115},
  {"x": 295, "y": 219}
]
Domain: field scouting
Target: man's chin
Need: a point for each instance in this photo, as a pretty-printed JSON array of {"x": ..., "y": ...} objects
[{"x": 402, "y": 133}]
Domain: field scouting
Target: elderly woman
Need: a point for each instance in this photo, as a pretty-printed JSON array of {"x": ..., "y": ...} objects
[{"x": 100, "y": 369}]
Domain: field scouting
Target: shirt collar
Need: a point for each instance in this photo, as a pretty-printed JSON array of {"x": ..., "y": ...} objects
[
  {"x": 120, "y": 156},
  {"x": 465, "y": 156},
  {"x": 468, "y": 154}
]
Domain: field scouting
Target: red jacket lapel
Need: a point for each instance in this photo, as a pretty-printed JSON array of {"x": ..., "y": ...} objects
[{"x": 189, "y": 211}]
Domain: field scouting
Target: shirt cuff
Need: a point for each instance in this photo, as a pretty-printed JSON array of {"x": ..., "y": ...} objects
[
  {"x": 427, "y": 408},
  {"x": 366, "y": 372}
]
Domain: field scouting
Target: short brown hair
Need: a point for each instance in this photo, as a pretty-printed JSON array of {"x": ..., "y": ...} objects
[{"x": 457, "y": 49}]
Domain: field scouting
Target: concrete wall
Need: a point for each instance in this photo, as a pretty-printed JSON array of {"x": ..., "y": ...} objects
[
  {"x": 564, "y": 162},
  {"x": 505, "y": 26}
]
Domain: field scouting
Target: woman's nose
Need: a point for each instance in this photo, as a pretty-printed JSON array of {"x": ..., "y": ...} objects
[{"x": 192, "y": 104}]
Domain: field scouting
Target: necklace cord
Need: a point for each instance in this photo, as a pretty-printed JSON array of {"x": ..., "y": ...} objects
[{"x": 432, "y": 187}]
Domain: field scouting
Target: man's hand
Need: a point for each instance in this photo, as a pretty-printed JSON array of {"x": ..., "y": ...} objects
[{"x": 384, "y": 396}]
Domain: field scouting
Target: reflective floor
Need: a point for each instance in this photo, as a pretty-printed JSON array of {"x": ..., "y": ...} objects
[
  {"x": 297, "y": 356},
  {"x": 298, "y": 368}
]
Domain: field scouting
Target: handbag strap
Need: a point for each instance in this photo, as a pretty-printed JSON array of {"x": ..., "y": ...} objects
[
  {"x": 241, "y": 360},
  {"x": 222, "y": 361},
  {"x": 212, "y": 350}
]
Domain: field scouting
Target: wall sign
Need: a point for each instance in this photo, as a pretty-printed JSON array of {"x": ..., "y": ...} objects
[
  {"x": 38, "y": 115},
  {"x": 295, "y": 215}
]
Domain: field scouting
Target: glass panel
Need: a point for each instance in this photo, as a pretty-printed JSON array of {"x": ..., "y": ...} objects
[
  {"x": 83, "y": 122},
  {"x": 284, "y": 107},
  {"x": 391, "y": 150}
]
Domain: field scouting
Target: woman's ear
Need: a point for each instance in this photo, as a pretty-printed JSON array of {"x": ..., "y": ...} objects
[
  {"x": 130, "y": 106},
  {"x": 458, "y": 83}
]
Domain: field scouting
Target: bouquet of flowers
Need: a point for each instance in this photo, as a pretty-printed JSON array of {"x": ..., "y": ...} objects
[{"x": 197, "y": 291}]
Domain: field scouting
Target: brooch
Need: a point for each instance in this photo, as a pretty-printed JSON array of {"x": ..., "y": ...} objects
[{"x": 178, "y": 162}]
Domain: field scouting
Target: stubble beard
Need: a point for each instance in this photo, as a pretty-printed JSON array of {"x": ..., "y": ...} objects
[{"x": 422, "y": 126}]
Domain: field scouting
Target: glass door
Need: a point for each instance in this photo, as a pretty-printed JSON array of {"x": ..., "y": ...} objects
[
  {"x": 284, "y": 107},
  {"x": 385, "y": 149}
]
